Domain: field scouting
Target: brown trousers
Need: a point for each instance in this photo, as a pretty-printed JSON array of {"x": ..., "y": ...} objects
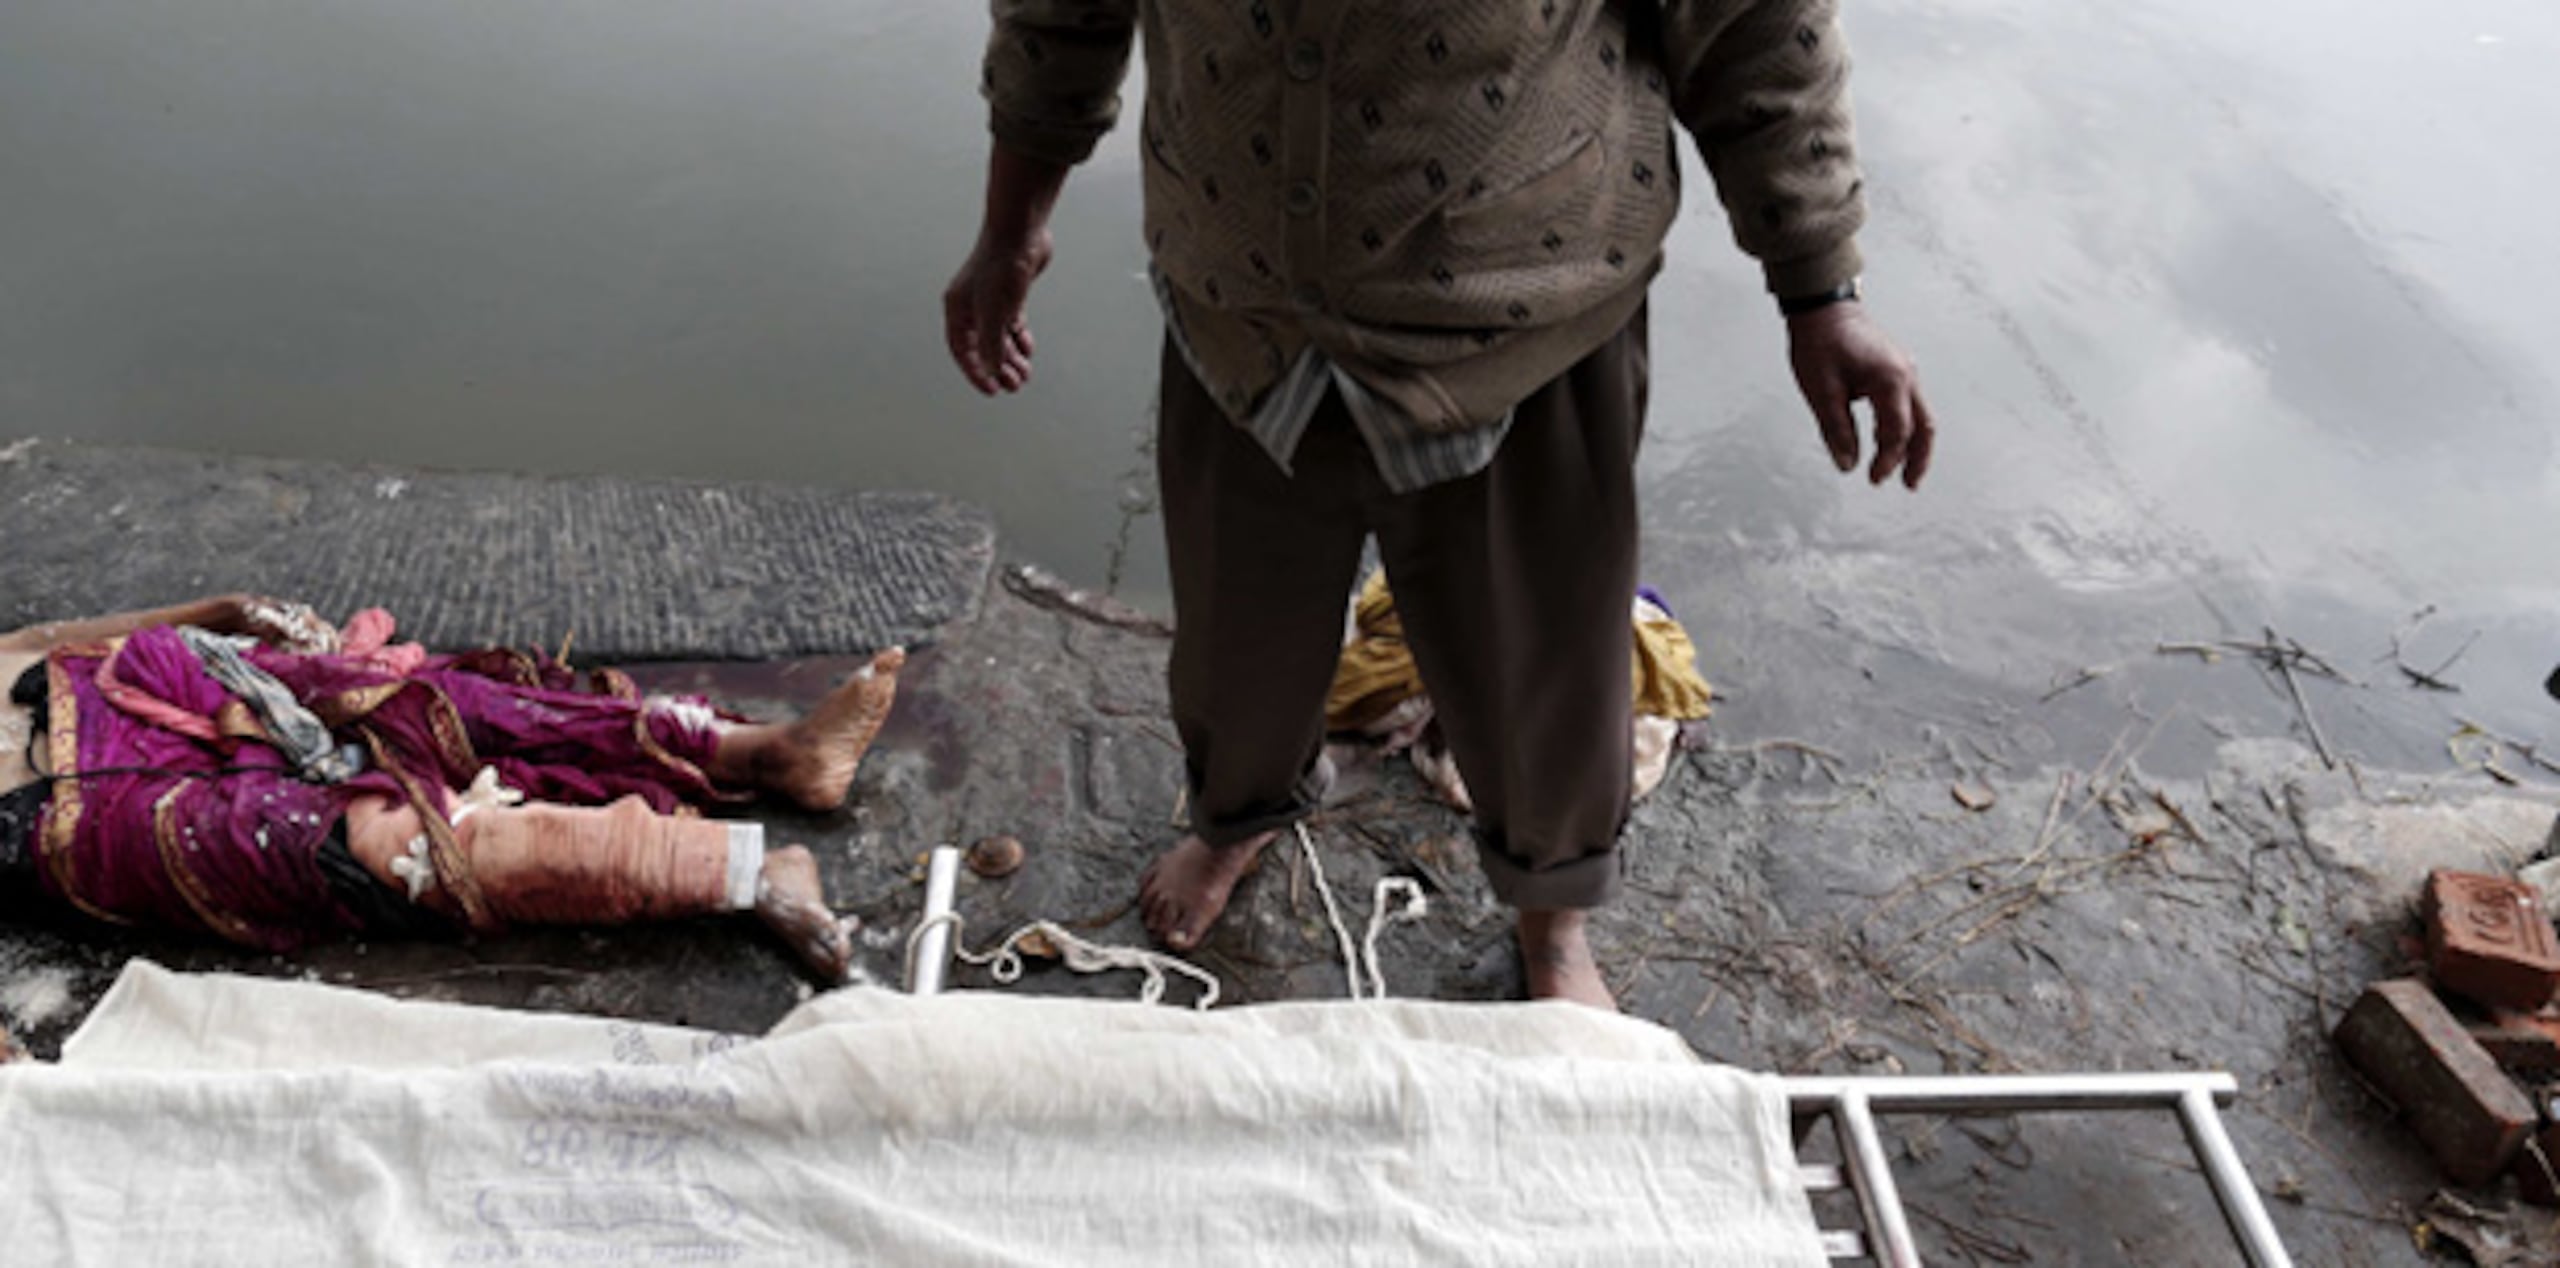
[{"x": 1514, "y": 585}]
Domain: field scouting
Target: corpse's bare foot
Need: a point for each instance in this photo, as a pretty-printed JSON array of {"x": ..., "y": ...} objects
[
  {"x": 813, "y": 760},
  {"x": 1184, "y": 891},
  {"x": 1558, "y": 957},
  {"x": 791, "y": 902}
]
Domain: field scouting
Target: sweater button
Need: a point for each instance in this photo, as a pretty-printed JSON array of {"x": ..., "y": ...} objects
[
  {"x": 1301, "y": 199},
  {"x": 1306, "y": 60},
  {"x": 1308, "y": 296}
]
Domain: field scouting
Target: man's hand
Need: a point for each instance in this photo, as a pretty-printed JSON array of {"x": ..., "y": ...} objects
[
  {"x": 1841, "y": 356},
  {"x": 982, "y": 319},
  {"x": 982, "y": 310}
]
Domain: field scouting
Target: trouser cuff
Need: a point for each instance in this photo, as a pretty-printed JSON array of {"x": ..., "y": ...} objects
[
  {"x": 1590, "y": 881},
  {"x": 1303, "y": 799}
]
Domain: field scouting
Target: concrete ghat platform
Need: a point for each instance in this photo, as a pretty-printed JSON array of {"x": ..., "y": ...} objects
[{"x": 1786, "y": 910}]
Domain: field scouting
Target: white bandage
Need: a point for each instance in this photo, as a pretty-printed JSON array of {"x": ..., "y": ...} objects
[
  {"x": 415, "y": 867},
  {"x": 746, "y": 864}
]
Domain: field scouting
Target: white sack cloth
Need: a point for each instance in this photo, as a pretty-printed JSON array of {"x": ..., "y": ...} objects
[{"x": 219, "y": 1120}]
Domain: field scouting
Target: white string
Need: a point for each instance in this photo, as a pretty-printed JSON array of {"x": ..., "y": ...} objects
[
  {"x": 1395, "y": 900},
  {"x": 1362, "y": 957},
  {"x": 1004, "y": 961},
  {"x": 1332, "y": 912}
]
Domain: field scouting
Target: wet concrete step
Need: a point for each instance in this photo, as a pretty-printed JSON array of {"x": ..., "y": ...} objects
[{"x": 635, "y": 569}]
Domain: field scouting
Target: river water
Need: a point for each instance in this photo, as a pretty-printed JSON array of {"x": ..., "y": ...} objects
[{"x": 2234, "y": 316}]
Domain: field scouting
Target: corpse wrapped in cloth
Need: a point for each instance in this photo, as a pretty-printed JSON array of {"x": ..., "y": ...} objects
[{"x": 237, "y": 766}]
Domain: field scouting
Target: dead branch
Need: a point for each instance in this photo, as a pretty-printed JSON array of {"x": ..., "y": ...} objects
[
  {"x": 2530, "y": 752},
  {"x": 2293, "y": 685}
]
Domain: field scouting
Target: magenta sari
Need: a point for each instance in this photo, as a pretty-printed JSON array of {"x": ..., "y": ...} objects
[{"x": 172, "y": 810}]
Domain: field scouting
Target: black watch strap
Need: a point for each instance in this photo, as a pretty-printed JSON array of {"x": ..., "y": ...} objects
[{"x": 1798, "y": 305}]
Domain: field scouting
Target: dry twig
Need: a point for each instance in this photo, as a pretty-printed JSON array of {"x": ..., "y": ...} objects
[
  {"x": 2087, "y": 674},
  {"x": 2284, "y": 666}
]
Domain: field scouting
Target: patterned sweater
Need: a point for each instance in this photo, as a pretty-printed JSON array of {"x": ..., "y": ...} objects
[{"x": 1453, "y": 201}]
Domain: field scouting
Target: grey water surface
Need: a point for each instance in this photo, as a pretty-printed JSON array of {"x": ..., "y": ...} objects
[{"x": 2235, "y": 316}]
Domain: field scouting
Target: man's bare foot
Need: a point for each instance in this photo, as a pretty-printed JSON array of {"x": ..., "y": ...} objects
[
  {"x": 1185, "y": 890},
  {"x": 1559, "y": 959},
  {"x": 792, "y": 903},
  {"x": 813, "y": 760}
]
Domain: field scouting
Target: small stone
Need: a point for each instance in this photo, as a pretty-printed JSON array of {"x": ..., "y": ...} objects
[
  {"x": 996, "y": 857},
  {"x": 1973, "y": 797}
]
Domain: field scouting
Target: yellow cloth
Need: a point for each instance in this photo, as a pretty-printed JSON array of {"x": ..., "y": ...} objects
[{"x": 1377, "y": 672}]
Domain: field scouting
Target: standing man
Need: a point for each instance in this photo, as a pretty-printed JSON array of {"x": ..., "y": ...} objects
[{"x": 1402, "y": 250}]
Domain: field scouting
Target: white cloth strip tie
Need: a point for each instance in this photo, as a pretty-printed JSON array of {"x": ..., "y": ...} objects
[
  {"x": 746, "y": 864},
  {"x": 485, "y": 793}
]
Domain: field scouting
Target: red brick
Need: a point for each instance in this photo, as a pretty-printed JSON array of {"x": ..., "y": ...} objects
[
  {"x": 2518, "y": 1043},
  {"x": 2526, "y": 1045},
  {"x": 2408, "y": 1045},
  {"x": 2487, "y": 938}
]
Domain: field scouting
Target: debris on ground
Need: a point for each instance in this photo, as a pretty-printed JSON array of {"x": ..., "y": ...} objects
[
  {"x": 994, "y": 858},
  {"x": 2469, "y": 1052}
]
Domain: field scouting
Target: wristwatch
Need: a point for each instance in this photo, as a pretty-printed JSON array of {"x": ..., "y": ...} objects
[{"x": 1798, "y": 305}]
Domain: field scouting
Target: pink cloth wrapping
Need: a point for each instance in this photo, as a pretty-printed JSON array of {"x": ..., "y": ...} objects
[{"x": 172, "y": 814}]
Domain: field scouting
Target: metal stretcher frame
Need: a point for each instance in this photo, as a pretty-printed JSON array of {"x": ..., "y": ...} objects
[{"x": 1853, "y": 1104}]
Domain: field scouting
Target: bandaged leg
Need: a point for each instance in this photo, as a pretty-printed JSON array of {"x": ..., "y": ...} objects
[
  {"x": 551, "y": 864},
  {"x": 545, "y": 864}
]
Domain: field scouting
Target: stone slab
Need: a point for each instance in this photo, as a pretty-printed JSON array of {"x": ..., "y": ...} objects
[{"x": 633, "y": 569}]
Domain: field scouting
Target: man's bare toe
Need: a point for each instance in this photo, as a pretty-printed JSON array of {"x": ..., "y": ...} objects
[
  {"x": 1181, "y": 932},
  {"x": 1160, "y": 909}
]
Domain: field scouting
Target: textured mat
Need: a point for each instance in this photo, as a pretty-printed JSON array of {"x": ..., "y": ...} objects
[{"x": 637, "y": 570}]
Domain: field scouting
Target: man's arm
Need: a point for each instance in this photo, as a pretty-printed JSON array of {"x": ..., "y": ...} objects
[
  {"x": 1052, "y": 83},
  {"x": 982, "y": 309},
  {"x": 1763, "y": 86}
]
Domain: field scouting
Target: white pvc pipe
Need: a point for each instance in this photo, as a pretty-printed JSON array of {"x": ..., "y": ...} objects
[{"x": 933, "y": 946}]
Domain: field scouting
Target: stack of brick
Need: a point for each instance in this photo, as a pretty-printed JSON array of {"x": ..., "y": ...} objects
[{"x": 2478, "y": 1088}]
